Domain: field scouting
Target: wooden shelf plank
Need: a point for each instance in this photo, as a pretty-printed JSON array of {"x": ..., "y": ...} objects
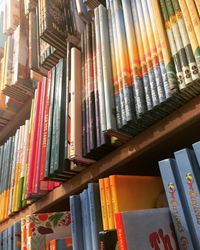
[{"x": 152, "y": 137}]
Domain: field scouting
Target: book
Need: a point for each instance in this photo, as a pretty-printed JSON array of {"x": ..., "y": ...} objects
[
  {"x": 87, "y": 237},
  {"x": 187, "y": 174},
  {"x": 145, "y": 229},
  {"x": 108, "y": 240},
  {"x": 176, "y": 206},
  {"x": 17, "y": 235},
  {"x": 77, "y": 224},
  {"x": 95, "y": 213}
]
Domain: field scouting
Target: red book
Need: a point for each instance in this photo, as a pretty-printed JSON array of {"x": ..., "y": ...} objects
[
  {"x": 36, "y": 176},
  {"x": 45, "y": 128},
  {"x": 34, "y": 139}
]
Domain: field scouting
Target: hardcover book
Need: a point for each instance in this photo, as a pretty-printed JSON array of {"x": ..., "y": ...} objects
[{"x": 145, "y": 229}]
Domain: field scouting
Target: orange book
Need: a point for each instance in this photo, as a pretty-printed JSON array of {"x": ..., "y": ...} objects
[
  {"x": 52, "y": 245},
  {"x": 109, "y": 205},
  {"x": 134, "y": 192},
  {"x": 103, "y": 204}
]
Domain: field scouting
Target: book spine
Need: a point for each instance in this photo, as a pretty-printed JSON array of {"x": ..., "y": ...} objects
[
  {"x": 84, "y": 134},
  {"x": 86, "y": 220},
  {"x": 145, "y": 78},
  {"x": 187, "y": 176},
  {"x": 17, "y": 236},
  {"x": 87, "y": 128},
  {"x": 76, "y": 133},
  {"x": 109, "y": 204},
  {"x": 120, "y": 231},
  {"x": 197, "y": 6},
  {"x": 34, "y": 140},
  {"x": 119, "y": 95},
  {"x": 95, "y": 213},
  {"x": 77, "y": 225},
  {"x": 147, "y": 53},
  {"x": 114, "y": 69},
  {"x": 45, "y": 128},
  {"x": 100, "y": 72},
  {"x": 107, "y": 69},
  {"x": 190, "y": 31},
  {"x": 125, "y": 71},
  {"x": 139, "y": 95},
  {"x": 50, "y": 124},
  {"x": 195, "y": 18},
  {"x": 90, "y": 88},
  {"x": 96, "y": 90},
  {"x": 103, "y": 204},
  {"x": 179, "y": 44},
  {"x": 186, "y": 41},
  {"x": 178, "y": 212},
  {"x": 153, "y": 52}
]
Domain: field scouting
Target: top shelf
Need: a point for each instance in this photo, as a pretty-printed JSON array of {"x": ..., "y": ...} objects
[{"x": 158, "y": 136}]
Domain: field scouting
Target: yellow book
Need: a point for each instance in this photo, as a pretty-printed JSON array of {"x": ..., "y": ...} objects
[
  {"x": 197, "y": 2},
  {"x": 109, "y": 205},
  {"x": 103, "y": 204},
  {"x": 17, "y": 175},
  {"x": 134, "y": 192},
  {"x": 195, "y": 18}
]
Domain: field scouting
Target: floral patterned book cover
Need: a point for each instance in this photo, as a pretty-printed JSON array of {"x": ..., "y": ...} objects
[{"x": 44, "y": 227}]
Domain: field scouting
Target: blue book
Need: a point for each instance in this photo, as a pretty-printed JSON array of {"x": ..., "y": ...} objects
[
  {"x": 5, "y": 240},
  {"x": 1, "y": 241},
  {"x": 175, "y": 204},
  {"x": 61, "y": 244},
  {"x": 77, "y": 225},
  {"x": 196, "y": 147},
  {"x": 17, "y": 235},
  {"x": 187, "y": 176},
  {"x": 10, "y": 238},
  {"x": 87, "y": 239},
  {"x": 95, "y": 214}
]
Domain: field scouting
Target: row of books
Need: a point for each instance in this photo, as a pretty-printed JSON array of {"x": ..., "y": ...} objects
[
  {"x": 48, "y": 231},
  {"x": 93, "y": 210},
  {"x": 181, "y": 178},
  {"x": 15, "y": 76}
]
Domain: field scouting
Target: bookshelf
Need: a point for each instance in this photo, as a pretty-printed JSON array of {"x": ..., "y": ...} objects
[{"x": 171, "y": 128}]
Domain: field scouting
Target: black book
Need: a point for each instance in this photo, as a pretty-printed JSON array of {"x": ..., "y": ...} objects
[{"x": 108, "y": 240}]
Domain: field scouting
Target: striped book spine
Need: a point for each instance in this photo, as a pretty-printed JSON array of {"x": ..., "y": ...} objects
[
  {"x": 114, "y": 69},
  {"x": 125, "y": 70},
  {"x": 118, "y": 84},
  {"x": 186, "y": 41},
  {"x": 134, "y": 59},
  {"x": 148, "y": 58},
  {"x": 179, "y": 43},
  {"x": 195, "y": 18},
  {"x": 190, "y": 31},
  {"x": 153, "y": 51},
  {"x": 159, "y": 48}
]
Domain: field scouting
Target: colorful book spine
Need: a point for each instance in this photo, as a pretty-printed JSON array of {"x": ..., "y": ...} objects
[
  {"x": 17, "y": 236},
  {"x": 103, "y": 204},
  {"x": 186, "y": 41},
  {"x": 134, "y": 59},
  {"x": 145, "y": 78},
  {"x": 195, "y": 18},
  {"x": 191, "y": 32},
  {"x": 109, "y": 204},
  {"x": 187, "y": 175},
  {"x": 175, "y": 201},
  {"x": 125, "y": 70}
]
